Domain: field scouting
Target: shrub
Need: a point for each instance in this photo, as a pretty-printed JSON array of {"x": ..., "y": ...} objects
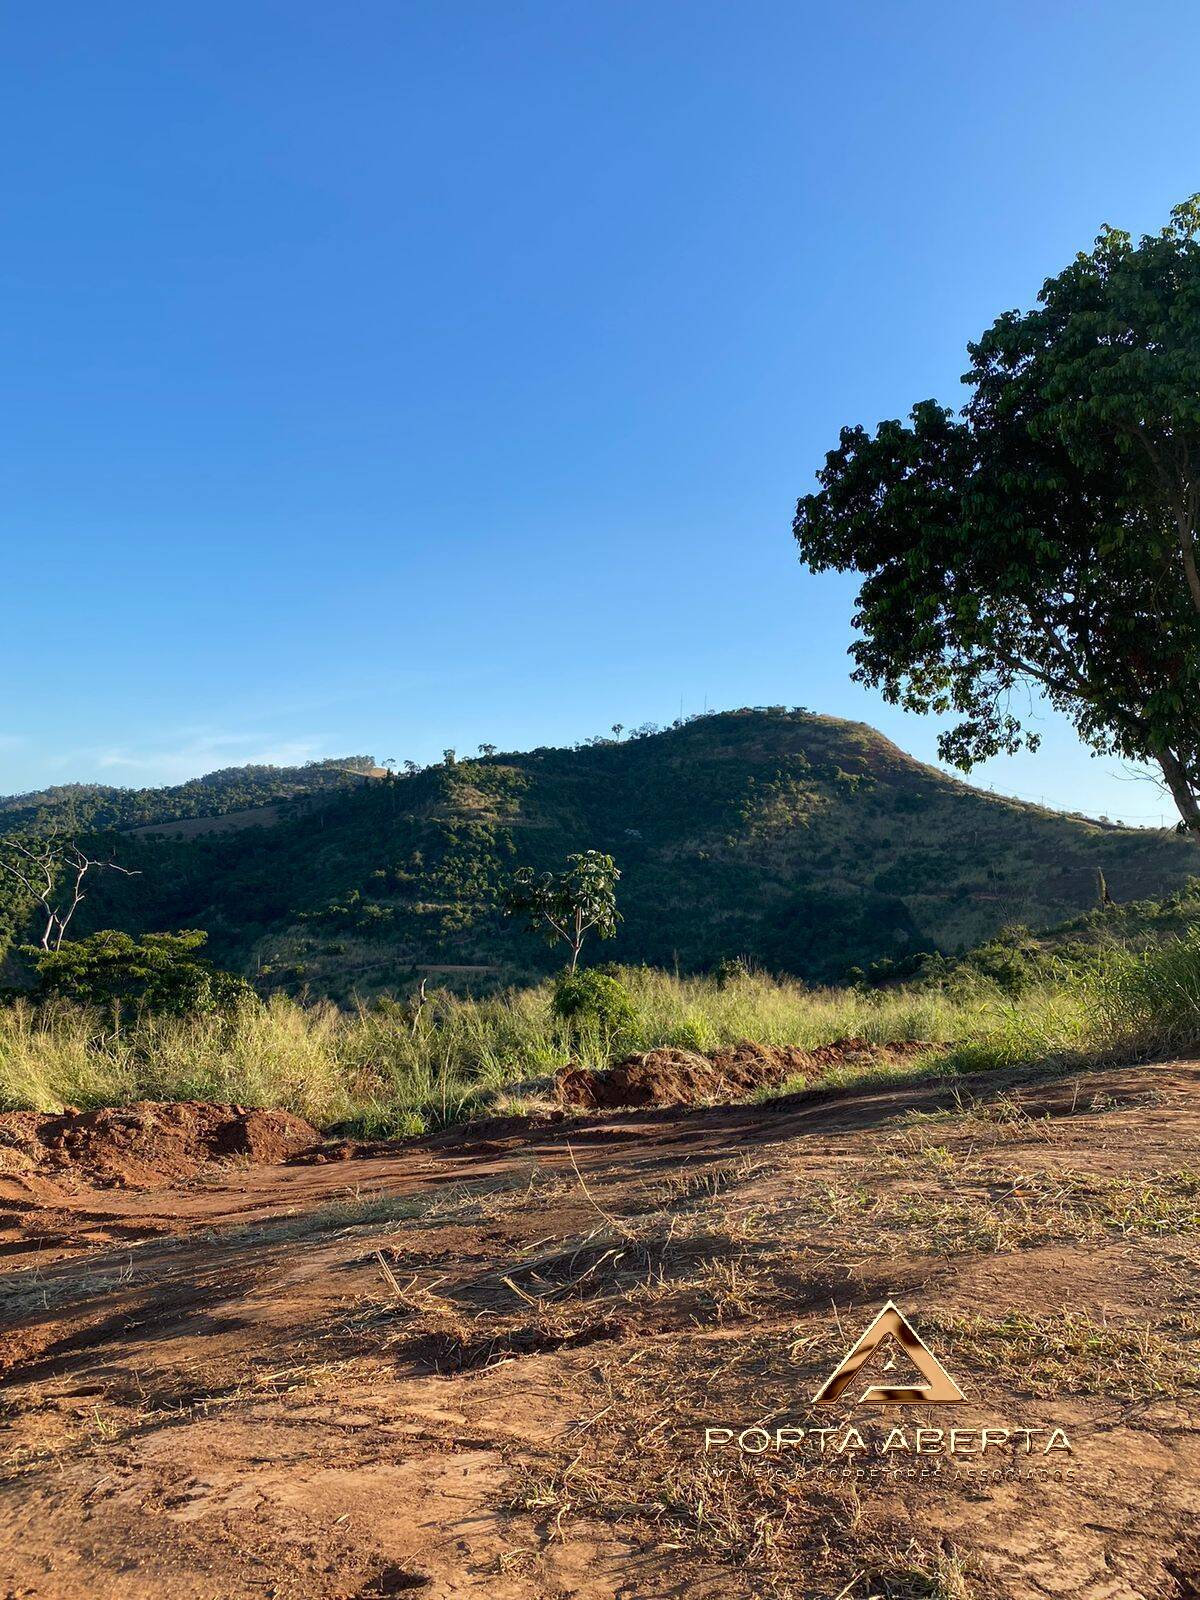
[
  {"x": 732, "y": 969},
  {"x": 693, "y": 1031},
  {"x": 159, "y": 972},
  {"x": 593, "y": 996}
]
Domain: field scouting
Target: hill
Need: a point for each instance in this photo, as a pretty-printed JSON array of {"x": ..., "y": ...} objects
[
  {"x": 97, "y": 806},
  {"x": 801, "y": 842}
]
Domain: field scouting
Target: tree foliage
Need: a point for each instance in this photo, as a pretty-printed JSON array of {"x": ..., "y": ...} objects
[
  {"x": 568, "y": 905},
  {"x": 158, "y": 972},
  {"x": 1046, "y": 535}
]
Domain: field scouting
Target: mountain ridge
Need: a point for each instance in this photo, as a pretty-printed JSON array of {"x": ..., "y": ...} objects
[{"x": 807, "y": 844}]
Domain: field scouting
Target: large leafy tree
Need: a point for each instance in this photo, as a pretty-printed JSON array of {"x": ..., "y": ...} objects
[{"x": 1046, "y": 534}]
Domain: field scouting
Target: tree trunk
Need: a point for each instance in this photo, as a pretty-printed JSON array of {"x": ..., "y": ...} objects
[
  {"x": 1187, "y": 547},
  {"x": 1179, "y": 783}
]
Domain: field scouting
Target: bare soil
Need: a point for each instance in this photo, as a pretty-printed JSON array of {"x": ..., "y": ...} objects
[
  {"x": 146, "y": 1145},
  {"x": 483, "y": 1364},
  {"x": 672, "y": 1077}
]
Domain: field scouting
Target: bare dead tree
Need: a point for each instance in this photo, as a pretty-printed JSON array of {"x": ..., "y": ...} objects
[
  {"x": 418, "y": 1007},
  {"x": 52, "y": 870}
]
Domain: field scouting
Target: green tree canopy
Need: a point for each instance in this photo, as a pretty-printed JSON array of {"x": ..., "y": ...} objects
[
  {"x": 568, "y": 905},
  {"x": 1046, "y": 534},
  {"x": 159, "y": 971}
]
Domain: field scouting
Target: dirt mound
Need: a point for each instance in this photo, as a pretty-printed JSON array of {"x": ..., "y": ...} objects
[
  {"x": 146, "y": 1144},
  {"x": 865, "y": 1052},
  {"x": 669, "y": 1077}
]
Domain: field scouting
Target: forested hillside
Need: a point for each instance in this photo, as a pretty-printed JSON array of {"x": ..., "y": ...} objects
[
  {"x": 97, "y": 807},
  {"x": 804, "y": 843}
]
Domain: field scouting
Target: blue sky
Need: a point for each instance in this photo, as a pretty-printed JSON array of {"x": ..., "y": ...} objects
[{"x": 387, "y": 376}]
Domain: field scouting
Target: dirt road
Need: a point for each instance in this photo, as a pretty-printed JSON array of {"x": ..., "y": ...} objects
[{"x": 484, "y": 1364}]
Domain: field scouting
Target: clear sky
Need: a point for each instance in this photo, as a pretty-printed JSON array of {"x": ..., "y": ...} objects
[{"x": 398, "y": 374}]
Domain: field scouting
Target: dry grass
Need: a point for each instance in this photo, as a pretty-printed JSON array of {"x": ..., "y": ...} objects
[
  {"x": 914, "y": 1571},
  {"x": 1075, "y": 1352},
  {"x": 375, "y": 1071}
]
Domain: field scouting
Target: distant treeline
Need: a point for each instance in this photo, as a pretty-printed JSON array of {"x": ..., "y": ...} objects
[{"x": 98, "y": 808}]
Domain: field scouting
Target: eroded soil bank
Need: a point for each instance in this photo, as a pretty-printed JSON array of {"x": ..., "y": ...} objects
[
  {"x": 674, "y": 1077},
  {"x": 149, "y": 1144}
]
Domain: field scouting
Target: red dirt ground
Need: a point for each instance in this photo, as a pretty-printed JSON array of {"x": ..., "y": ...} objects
[
  {"x": 148, "y": 1144},
  {"x": 673, "y": 1077},
  {"x": 483, "y": 1364}
]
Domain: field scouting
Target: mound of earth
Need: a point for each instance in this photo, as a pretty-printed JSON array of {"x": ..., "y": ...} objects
[
  {"x": 147, "y": 1144},
  {"x": 670, "y": 1077}
]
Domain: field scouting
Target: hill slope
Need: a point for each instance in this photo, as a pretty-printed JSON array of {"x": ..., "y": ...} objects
[
  {"x": 217, "y": 794},
  {"x": 805, "y": 843}
]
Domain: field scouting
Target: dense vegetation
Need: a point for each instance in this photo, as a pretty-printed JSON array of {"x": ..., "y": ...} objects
[
  {"x": 1018, "y": 958},
  {"x": 160, "y": 973},
  {"x": 806, "y": 844},
  {"x": 385, "y": 1070},
  {"x": 97, "y": 808},
  {"x": 1046, "y": 536}
]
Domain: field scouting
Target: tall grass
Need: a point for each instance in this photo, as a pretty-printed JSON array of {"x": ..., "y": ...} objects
[
  {"x": 380, "y": 1072},
  {"x": 1134, "y": 1005}
]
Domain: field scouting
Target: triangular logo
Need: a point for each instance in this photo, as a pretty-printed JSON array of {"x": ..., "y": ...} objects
[{"x": 891, "y": 1323}]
